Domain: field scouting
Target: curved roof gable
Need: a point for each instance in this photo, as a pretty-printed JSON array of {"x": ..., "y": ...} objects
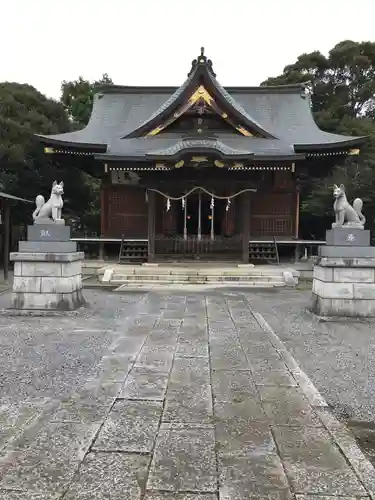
[{"x": 201, "y": 84}]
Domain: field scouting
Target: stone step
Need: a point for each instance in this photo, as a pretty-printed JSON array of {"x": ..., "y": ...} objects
[
  {"x": 271, "y": 272},
  {"x": 217, "y": 278},
  {"x": 124, "y": 271},
  {"x": 161, "y": 283}
]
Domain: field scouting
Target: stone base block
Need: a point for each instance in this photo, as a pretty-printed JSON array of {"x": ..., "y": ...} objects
[
  {"x": 343, "y": 291},
  {"x": 347, "y": 262},
  {"x": 348, "y": 236},
  {"x": 46, "y": 284},
  {"x": 347, "y": 252},
  {"x": 45, "y": 220},
  {"x": 48, "y": 232},
  {"x": 48, "y": 246},
  {"x": 47, "y": 301},
  {"x": 352, "y": 308},
  {"x": 46, "y": 257}
]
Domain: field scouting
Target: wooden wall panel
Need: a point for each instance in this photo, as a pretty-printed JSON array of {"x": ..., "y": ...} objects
[
  {"x": 272, "y": 214},
  {"x": 127, "y": 212}
]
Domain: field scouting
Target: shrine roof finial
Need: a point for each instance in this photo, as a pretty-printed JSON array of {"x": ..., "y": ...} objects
[{"x": 201, "y": 60}]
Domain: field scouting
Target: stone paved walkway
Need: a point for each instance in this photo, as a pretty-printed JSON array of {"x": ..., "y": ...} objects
[{"x": 195, "y": 398}]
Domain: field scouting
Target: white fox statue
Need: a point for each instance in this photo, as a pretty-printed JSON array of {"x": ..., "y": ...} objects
[
  {"x": 345, "y": 214},
  {"x": 50, "y": 211}
]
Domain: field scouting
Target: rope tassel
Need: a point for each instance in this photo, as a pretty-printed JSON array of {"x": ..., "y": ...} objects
[
  {"x": 228, "y": 205},
  {"x": 168, "y": 204}
]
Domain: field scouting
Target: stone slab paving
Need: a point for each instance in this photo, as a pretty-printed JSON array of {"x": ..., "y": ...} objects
[{"x": 188, "y": 397}]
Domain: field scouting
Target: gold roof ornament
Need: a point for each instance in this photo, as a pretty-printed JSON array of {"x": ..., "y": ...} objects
[
  {"x": 179, "y": 164},
  {"x": 354, "y": 152},
  {"x": 244, "y": 131},
  {"x": 199, "y": 159},
  {"x": 219, "y": 163},
  {"x": 156, "y": 130}
]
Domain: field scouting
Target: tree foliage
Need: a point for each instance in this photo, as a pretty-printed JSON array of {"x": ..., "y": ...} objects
[
  {"x": 343, "y": 102},
  {"x": 25, "y": 170},
  {"x": 77, "y": 97}
]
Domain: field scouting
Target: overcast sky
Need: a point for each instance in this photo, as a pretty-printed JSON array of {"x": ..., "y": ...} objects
[{"x": 152, "y": 42}]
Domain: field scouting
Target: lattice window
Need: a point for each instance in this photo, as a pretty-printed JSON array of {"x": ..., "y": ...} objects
[
  {"x": 272, "y": 204},
  {"x": 266, "y": 227}
]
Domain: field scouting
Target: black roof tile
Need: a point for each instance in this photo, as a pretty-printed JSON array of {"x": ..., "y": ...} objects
[{"x": 283, "y": 111}]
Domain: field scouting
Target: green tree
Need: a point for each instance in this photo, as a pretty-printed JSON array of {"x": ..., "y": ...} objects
[
  {"x": 77, "y": 97},
  {"x": 343, "y": 101},
  {"x": 26, "y": 170}
]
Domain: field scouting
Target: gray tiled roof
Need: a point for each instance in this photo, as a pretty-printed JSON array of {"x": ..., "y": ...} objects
[
  {"x": 171, "y": 144},
  {"x": 13, "y": 198},
  {"x": 285, "y": 115}
]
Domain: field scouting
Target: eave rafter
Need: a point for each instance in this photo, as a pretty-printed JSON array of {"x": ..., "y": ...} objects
[{"x": 233, "y": 166}]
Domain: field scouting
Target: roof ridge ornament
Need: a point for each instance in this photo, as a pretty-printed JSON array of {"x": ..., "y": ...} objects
[{"x": 201, "y": 60}]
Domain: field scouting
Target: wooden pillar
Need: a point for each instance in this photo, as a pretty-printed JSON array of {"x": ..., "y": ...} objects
[
  {"x": 6, "y": 246},
  {"x": 103, "y": 218},
  {"x": 151, "y": 225},
  {"x": 199, "y": 216},
  {"x": 245, "y": 226},
  {"x": 296, "y": 226}
]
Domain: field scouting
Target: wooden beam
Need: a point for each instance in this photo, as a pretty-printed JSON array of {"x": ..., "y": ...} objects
[
  {"x": 6, "y": 245},
  {"x": 151, "y": 225},
  {"x": 245, "y": 226}
]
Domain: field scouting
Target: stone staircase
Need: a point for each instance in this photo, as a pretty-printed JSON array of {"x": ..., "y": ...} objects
[{"x": 158, "y": 275}]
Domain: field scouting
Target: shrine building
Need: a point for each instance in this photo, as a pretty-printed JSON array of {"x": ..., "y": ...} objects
[{"x": 200, "y": 170}]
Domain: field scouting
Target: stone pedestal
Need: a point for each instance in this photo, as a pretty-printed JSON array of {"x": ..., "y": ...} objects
[
  {"x": 344, "y": 275},
  {"x": 47, "y": 271}
]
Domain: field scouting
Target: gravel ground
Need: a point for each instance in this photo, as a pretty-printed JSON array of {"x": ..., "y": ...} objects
[{"x": 43, "y": 357}]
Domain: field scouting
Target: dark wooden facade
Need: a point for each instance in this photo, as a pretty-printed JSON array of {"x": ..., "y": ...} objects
[
  {"x": 273, "y": 208},
  {"x": 200, "y": 170}
]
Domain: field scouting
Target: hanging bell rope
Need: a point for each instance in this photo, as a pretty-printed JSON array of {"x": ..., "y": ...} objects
[
  {"x": 228, "y": 205},
  {"x": 168, "y": 204}
]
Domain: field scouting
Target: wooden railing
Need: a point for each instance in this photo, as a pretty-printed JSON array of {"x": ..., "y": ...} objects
[{"x": 195, "y": 247}]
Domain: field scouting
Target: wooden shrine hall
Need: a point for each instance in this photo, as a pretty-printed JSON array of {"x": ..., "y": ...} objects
[{"x": 200, "y": 170}]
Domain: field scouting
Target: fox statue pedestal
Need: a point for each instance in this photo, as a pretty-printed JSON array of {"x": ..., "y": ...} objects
[
  {"x": 344, "y": 275},
  {"x": 47, "y": 267},
  {"x": 47, "y": 270}
]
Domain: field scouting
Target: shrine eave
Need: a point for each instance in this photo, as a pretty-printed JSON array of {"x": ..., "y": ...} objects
[
  {"x": 254, "y": 158},
  {"x": 346, "y": 143},
  {"x": 64, "y": 141}
]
